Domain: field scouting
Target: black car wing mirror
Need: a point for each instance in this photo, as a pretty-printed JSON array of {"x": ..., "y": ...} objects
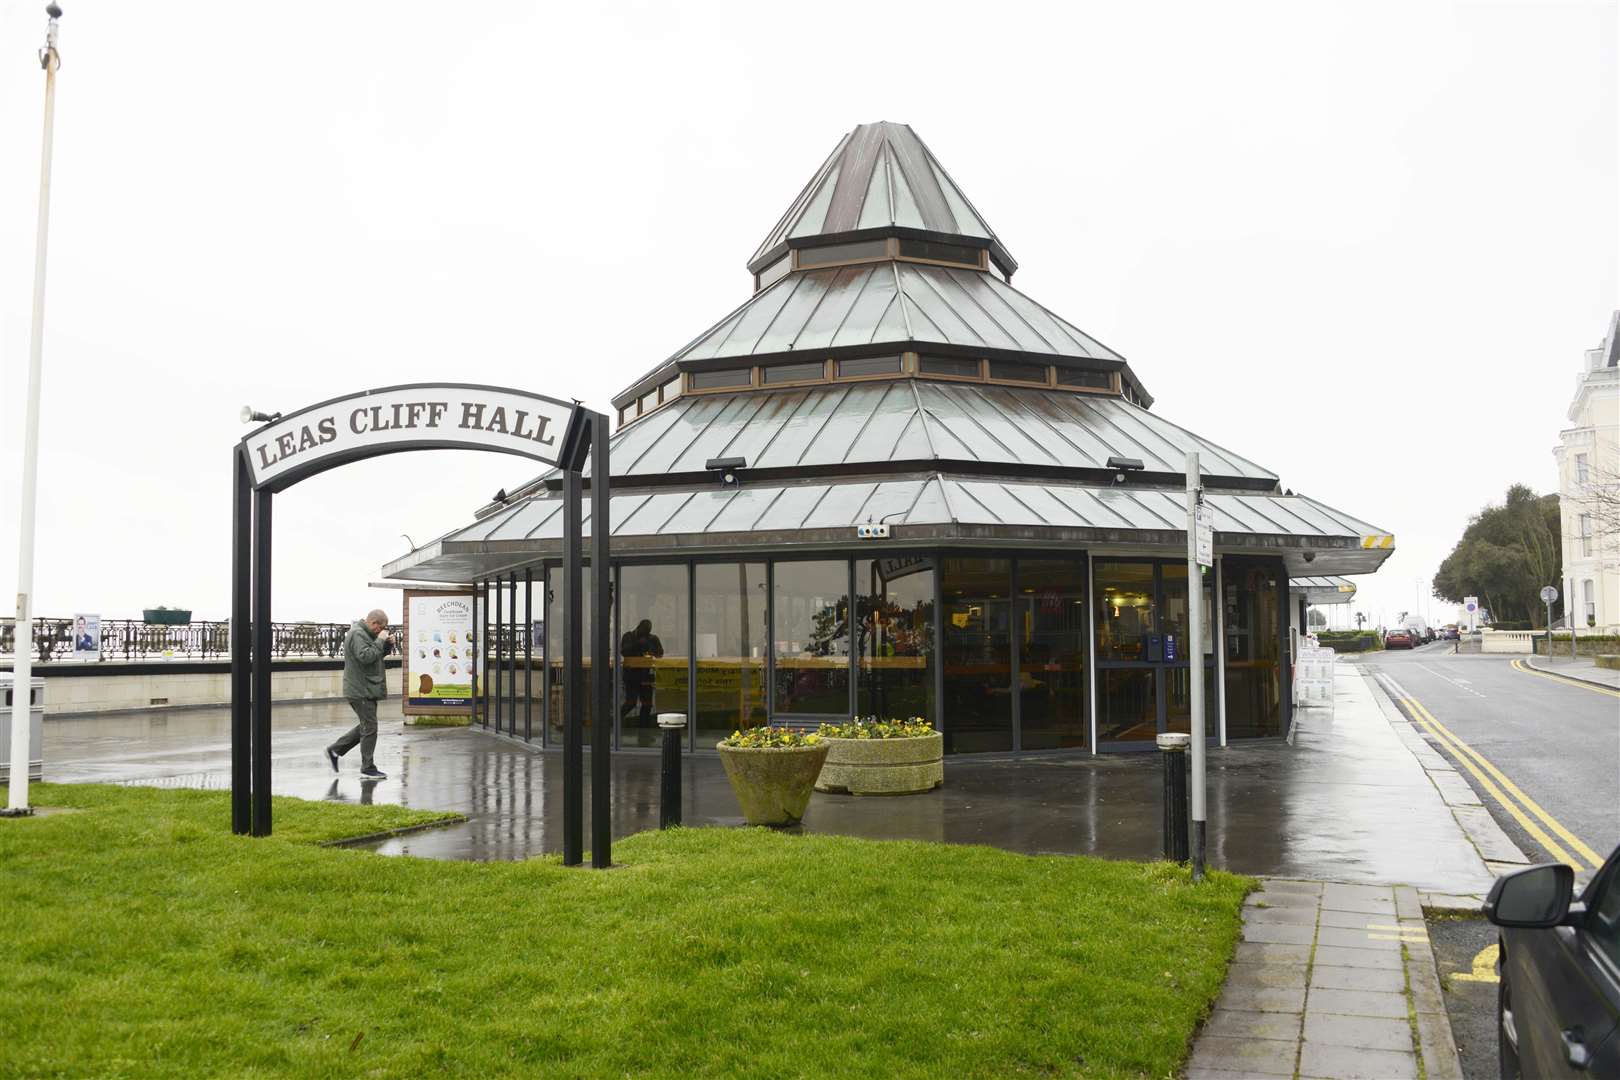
[{"x": 1534, "y": 899}]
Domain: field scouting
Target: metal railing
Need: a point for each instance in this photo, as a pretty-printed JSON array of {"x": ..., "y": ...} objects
[{"x": 126, "y": 640}]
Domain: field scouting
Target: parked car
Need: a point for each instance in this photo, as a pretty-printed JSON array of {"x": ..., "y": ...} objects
[
  {"x": 1399, "y": 638},
  {"x": 1448, "y": 633},
  {"x": 1558, "y": 1002}
]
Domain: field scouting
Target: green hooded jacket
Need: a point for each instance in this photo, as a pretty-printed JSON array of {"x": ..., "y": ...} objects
[{"x": 363, "y": 664}]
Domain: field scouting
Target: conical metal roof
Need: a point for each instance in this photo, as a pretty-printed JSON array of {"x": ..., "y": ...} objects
[{"x": 880, "y": 179}]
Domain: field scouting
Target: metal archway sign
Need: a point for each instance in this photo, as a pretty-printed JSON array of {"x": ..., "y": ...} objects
[{"x": 391, "y": 420}]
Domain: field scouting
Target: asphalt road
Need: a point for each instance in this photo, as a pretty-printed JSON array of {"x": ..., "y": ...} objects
[{"x": 1556, "y": 742}]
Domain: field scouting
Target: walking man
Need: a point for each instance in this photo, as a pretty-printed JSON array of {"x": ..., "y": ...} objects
[{"x": 364, "y": 684}]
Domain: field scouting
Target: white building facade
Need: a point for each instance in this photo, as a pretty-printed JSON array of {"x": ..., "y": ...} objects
[{"x": 1588, "y": 456}]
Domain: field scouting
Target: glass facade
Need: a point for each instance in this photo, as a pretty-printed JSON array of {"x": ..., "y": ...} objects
[
  {"x": 811, "y": 631},
  {"x": 1143, "y": 670},
  {"x": 1252, "y": 629},
  {"x": 976, "y": 653},
  {"x": 1053, "y": 623},
  {"x": 894, "y": 637},
  {"x": 731, "y": 635},
  {"x": 652, "y": 653},
  {"x": 998, "y": 653},
  {"x": 554, "y": 654}
]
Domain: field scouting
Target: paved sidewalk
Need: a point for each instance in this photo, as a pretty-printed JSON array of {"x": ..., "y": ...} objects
[
  {"x": 1330, "y": 981},
  {"x": 1583, "y": 668}
]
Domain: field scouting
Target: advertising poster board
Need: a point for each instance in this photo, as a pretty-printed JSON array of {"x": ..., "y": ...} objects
[
  {"x": 87, "y": 637},
  {"x": 439, "y": 649}
]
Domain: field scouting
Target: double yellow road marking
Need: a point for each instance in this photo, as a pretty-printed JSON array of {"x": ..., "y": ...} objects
[
  {"x": 1520, "y": 665},
  {"x": 1489, "y": 777}
]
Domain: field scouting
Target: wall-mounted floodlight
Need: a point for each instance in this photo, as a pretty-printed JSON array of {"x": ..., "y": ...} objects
[
  {"x": 727, "y": 467},
  {"x": 1122, "y": 465},
  {"x": 250, "y": 415}
]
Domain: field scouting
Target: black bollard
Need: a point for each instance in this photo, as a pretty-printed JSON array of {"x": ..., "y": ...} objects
[
  {"x": 669, "y": 801},
  {"x": 1173, "y": 749}
]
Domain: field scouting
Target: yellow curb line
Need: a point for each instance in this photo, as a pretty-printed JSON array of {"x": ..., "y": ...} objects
[
  {"x": 1462, "y": 752},
  {"x": 1520, "y": 665}
]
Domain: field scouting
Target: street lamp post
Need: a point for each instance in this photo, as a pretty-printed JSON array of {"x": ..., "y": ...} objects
[{"x": 23, "y": 666}]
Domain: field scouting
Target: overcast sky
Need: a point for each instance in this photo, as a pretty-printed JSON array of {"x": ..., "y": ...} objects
[{"x": 1364, "y": 245}]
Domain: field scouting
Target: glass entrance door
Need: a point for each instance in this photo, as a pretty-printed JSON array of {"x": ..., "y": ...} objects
[{"x": 1142, "y": 663}]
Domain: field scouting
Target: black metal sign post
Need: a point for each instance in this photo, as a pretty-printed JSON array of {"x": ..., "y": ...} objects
[
  {"x": 601, "y": 646},
  {"x": 294, "y": 447}
]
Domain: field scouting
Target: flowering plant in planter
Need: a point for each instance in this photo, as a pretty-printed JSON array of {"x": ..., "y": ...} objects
[
  {"x": 772, "y": 771},
  {"x": 882, "y": 756},
  {"x": 770, "y": 738},
  {"x": 871, "y": 727}
]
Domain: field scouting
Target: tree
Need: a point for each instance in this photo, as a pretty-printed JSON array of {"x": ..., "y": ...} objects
[
  {"x": 1506, "y": 554},
  {"x": 1316, "y": 619}
]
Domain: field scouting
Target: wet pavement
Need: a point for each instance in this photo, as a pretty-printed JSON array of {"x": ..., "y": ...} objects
[
  {"x": 1346, "y": 801},
  {"x": 1556, "y": 742}
]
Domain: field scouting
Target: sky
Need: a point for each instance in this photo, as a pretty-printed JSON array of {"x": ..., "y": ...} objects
[{"x": 1363, "y": 244}]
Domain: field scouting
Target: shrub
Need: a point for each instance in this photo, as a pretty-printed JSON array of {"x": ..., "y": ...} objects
[
  {"x": 870, "y": 727},
  {"x": 767, "y": 737}
]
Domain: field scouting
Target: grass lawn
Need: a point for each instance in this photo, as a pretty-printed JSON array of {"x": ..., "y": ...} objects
[{"x": 152, "y": 942}]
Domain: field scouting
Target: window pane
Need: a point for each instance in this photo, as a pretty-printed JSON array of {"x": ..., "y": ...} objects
[
  {"x": 554, "y": 653},
  {"x": 949, "y": 365},
  {"x": 1125, "y": 612},
  {"x": 932, "y": 249},
  {"x": 670, "y": 390},
  {"x": 896, "y": 638},
  {"x": 1016, "y": 372},
  {"x": 1127, "y": 704},
  {"x": 730, "y": 640},
  {"x": 653, "y": 624},
  {"x": 782, "y": 373},
  {"x": 1251, "y": 612},
  {"x": 835, "y": 253},
  {"x": 649, "y": 401},
  {"x": 811, "y": 609},
  {"x": 977, "y": 654},
  {"x": 869, "y": 365},
  {"x": 709, "y": 380},
  {"x": 1100, "y": 380},
  {"x": 1173, "y": 622},
  {"x": 1052, "y": 657},
  {"x": 627, "y": 413}
]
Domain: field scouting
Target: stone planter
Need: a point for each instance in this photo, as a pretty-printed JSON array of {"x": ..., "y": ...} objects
[
  {"x": 884, "y": 766},
  {"x": 773, "y": 784}
]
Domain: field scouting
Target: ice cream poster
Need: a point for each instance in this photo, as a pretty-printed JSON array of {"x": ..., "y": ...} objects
[{"x": 440, "y": 669}]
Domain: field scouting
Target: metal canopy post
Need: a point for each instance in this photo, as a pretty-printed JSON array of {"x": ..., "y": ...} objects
[
  {"x": 528, "y": 654},
  {"x": 573, "y": 689},
  {"x": 601, "y": 645},
  {"x": 495, "y": 666},
  {"x": 241, "y": 645},
  {"x": 511, "y": 656},
  {"x": 260, "y": 766}
]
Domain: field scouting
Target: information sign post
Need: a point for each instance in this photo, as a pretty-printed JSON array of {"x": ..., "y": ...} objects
[{"x": 1200, "y": 553}]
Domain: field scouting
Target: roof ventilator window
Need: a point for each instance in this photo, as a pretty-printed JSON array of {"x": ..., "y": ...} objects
[
  {"x": 1012, "y": 371},
  {"x": 956, "y": 366},
  {"x": 842, "y": 253},
  {"x": 812, "y": 371},
  {"x": 714, "y": 380}
]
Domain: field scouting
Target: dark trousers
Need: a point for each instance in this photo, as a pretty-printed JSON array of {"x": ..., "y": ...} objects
[{"x": 363, "y": 734}]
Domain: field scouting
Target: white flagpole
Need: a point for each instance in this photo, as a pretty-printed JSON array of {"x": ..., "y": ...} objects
[{"x": 23, "y": 666}]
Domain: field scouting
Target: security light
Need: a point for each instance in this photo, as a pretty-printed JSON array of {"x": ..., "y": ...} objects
[
  {"x": 1128, "y": 463},
  {"x": 500, "y": 497},
  {"x": 250, "y": 415},
  {"x": 727, "y": 467}
]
